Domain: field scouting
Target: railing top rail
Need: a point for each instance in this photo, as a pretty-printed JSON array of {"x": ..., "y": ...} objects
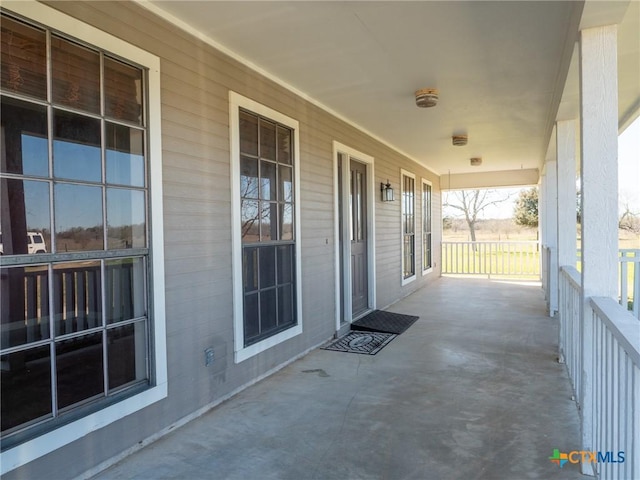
[
  {"x": 572, "y": 275},
  {"x": 523, "y": 242},
  {"x": 622, "y": 325},
  {"x": 635, "y": 251}
]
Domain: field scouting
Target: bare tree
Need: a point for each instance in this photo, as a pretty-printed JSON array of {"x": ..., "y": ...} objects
[
  {"x": 471, "y": 203},
  {"x": 629, "y": 220}
]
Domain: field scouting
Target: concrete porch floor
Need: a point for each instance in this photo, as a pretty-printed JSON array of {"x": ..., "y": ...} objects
[{"x": 472, "y": 390}]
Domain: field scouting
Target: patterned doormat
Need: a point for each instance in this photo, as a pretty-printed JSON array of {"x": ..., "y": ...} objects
[
  {"x": 367, "y": 343},
  {"x": 381, "y": 321}
]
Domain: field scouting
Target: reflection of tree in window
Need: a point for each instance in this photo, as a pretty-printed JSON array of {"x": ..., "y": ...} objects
[{"x": 266, "y": 216}]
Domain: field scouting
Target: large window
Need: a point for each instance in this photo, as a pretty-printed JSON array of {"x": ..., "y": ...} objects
[
  {"x": 265, "y": 185},
  {"x": 427, "y": 260},
  {"x": 408, "y": 198},
  {"x": 76, "y": 330}
]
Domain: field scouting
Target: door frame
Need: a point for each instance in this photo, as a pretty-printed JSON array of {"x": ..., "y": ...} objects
[{"x": 344, "y": 270}]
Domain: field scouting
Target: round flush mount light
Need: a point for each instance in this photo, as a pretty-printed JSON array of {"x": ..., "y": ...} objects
[
  {"x": 459, "y": 140},
  {"x": 476, "y": 161},
  {"x": 427, "y": 97}
]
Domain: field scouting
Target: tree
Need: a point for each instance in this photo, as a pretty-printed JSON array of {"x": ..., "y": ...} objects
[
  {"x": 471, "y": 203},
  {"x": 629, "y": 220},
  {"x": 525, "y": 211}
]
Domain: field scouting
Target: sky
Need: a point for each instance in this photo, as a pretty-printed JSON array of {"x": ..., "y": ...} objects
[{"x": 628, "y": 177}]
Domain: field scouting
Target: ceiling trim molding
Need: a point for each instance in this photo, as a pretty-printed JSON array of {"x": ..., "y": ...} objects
[
  {"x": 495, "y": 179},
  {"x": 172, "y": 19}
]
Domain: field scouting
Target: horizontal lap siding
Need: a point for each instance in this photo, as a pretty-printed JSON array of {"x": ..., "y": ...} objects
[{"x": 195, "y": 81}]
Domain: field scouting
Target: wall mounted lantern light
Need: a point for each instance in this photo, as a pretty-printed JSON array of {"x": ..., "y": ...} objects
[{"x": 387, "y": 192}]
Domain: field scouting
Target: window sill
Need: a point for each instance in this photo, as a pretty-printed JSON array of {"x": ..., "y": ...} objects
[
  {"x": 252, "y": 350},
  {"x": 408, "y": 280},
  {"x": 47, "y": 443}
]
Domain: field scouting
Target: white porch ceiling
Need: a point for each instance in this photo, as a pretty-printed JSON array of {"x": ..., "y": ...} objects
[{"x": 500, "y": 67}]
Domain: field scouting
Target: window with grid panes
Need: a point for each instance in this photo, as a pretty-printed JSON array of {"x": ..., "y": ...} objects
[
  {"x": 74, "y": 228},
  {"x": 426, "y": 226},
  {"x": 267, "y": 226},
  {"x": 408, "y": 226}
]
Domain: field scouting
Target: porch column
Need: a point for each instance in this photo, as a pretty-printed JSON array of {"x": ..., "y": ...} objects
[
  {"x": 599, "y": 185},
  {"x": 566, "y": 138},
  {"x": 551, "y": 227},
  {"x": 542, "y": 235}
]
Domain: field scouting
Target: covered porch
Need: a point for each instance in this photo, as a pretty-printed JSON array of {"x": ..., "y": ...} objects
[{"x": 472, "y": 390}]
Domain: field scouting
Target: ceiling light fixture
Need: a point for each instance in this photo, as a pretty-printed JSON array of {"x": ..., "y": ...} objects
[
  {"x": 459, "y": 140},
  {"x": 427, "y": 97},
  {"x": 476, "y": 161}
]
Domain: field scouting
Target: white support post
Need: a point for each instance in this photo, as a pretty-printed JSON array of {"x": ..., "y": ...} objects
[
  {"x": 542, "y": 232},
  {"x": 551, "y": 222},
  {"x": 599, "y": 185},
  {"x": 566, "y": 139}
]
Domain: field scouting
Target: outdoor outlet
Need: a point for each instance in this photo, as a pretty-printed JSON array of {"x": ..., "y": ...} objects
[{"x": 208, "y": 356}]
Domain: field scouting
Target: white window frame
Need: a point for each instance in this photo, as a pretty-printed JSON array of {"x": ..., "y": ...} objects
[
  {"x": 422, "y": 213},
  {"x": 410, "y": 279},
  {"x": 236, "y": 102},
  {"x": 48, "y": 442}
]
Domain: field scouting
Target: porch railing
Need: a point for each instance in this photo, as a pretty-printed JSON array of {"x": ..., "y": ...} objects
[
  {"x": 629, "y": 275},
  {"x": 491, "y": 258},
  {"x": 570, "y": 343},
  {"x": 605, "y": 347}
]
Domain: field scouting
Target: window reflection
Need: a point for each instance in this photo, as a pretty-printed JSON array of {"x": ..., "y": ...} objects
[
  {"x": 24, "y": 310},
  {"x": 79, "y": 369},
  {"x": 76, "y": 147},
  {"x": 125, "y": 155},
  {"x": 248, "y": 177},
  {"x": 248, "y": 133},
  {"x": 77, "y": 296},
  {"x": 267, "y": 140},
  {"x": 124, "y": 289},
  {"x": 284, "y": 145},
  {"x": 25, "y": 219},
  {"x": 23, "y": 70},
  {"x": 75, "y": 75},
  {"x": 126, "y": 223},
  {"x": 250, "y": 221},
  {"x": 268, "y": 310},
  {"x": 268, "y": 189},
  {"x": 286, "y": 183},
  {"x": 126, "y": 354},
  {"x": 123, "y": 91},
  {"x": 24, "y": 139},
  {"x": 250, "y": 269},
  {"x": 268, "y": 221},
  {"x": 78, "y": 215},
  {"x": 286, "y": 221},
  {"x": 267, "y": 267},
  {"x": 29, "y": 375}
]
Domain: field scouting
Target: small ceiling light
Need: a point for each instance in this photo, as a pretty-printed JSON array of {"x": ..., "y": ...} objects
[
  {"x": 386, "y": 191},
  {"x": 427, "y": 97},
  {"x": 459, "y": 140},
  {"x": 476, "y": 161}
]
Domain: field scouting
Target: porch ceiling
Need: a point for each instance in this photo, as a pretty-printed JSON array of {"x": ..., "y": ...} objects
[{"x": 500, "y": 67}]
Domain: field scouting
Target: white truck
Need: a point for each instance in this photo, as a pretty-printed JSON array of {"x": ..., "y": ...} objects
[{"x": 35, "y": 243}]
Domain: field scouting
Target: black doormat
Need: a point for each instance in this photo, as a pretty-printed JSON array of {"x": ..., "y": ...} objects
[
  {"x": 368, "y": 343},
  {"x": 388, "y": 322}
]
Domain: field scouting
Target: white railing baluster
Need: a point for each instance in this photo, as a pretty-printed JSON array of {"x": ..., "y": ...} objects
[{"x": 491, "y": 258}]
